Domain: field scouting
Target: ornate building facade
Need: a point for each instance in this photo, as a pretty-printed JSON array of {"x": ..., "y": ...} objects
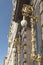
[{"x": 25, "y": 38}]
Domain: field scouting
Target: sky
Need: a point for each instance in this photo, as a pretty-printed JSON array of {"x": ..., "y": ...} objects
[{"x": 5, "y": 19}]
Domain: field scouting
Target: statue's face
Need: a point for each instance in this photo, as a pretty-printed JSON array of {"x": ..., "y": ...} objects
[{"x": 14, "y": 2}]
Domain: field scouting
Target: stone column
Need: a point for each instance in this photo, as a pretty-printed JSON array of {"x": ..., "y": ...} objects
[
  {"x": 19, "y": 55},
  {"x": 25, "y": 55},
  {"x": 24, "y": 46},
  {"x": 14, "y": 55}
]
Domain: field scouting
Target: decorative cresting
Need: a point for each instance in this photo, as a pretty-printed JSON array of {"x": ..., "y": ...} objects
[
  {"x": 33, "y": 55},
  {"x": 28, "y": 10}
]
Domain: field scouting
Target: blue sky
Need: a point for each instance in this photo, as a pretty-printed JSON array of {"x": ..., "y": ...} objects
[{"x": 5, "y": 19}]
